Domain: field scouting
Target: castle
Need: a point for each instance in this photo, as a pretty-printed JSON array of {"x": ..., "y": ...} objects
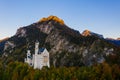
[{"x": 39, "y": 59}]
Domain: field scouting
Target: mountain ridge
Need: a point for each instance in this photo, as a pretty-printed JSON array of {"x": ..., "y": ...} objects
[{"x": 67, "y": 47}]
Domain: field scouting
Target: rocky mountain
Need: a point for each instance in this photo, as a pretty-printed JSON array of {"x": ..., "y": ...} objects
[
  {"x": 89, "y": 33},
  {"x": 111, "y": 40},
  {"x": 4, "y": 39},
  {"x": 67, "y": 47},
  {"x": 114, "y": 41},
  {"x": 2, "y": 43},
  {"x": 118, "y": 38}
]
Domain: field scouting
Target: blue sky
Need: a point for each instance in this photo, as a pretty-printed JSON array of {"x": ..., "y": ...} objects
[{"x": 100, "y": 16}]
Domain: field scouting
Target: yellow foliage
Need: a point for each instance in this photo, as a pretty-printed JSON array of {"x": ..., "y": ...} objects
[{"x": 55, "y": 18}]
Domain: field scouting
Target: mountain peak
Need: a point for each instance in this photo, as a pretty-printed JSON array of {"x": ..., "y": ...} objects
[
  {"x": 54, "y": 18},
  {"x": 118, "y": 38},
  {"x": 4, "y": 39},
  {"x": 89, "y": 33},
  {"x": 86, "y": 33}
]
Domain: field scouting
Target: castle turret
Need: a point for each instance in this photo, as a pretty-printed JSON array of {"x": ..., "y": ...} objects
[
  {"x": 36, "y": 54},
  {"x": 29, "y": 58},
  {"x": 36, "y": 47},
  {"x": 28, "y": 53}
]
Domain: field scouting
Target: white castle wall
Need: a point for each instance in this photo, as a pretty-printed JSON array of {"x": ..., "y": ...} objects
[{"x": 38, "y": 60}]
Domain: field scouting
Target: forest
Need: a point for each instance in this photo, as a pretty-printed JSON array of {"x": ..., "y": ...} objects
[{"x": 22, "y": 71}]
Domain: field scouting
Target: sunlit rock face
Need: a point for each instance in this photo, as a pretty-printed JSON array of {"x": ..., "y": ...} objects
[
  {"x": 86, "y": 33},
  {"x": 89, "y": 33}
]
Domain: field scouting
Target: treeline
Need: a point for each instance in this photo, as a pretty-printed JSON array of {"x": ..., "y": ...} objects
[{"x": 22, "y": 71}]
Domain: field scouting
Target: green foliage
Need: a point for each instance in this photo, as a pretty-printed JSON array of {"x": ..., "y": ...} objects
[{"x": 22, "y": 71}]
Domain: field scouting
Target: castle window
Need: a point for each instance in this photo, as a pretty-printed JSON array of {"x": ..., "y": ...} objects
[
  {"x": 45, "y": 59},
  {"x": 30, "y": 64}
]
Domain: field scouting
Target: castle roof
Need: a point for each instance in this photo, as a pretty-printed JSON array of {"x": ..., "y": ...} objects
[
  {"x": 41, "y": 50},
  {"x": 30, "y": 57}
]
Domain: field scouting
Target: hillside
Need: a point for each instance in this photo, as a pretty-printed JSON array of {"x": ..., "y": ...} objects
[
  {"x": 2, "y": 43},
  {"x": 67, "y": 47}
]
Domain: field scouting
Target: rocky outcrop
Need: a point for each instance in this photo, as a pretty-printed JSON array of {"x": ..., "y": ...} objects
[
  {"x": 21, "y": 32},
  {"x": 89, "y": 33}
]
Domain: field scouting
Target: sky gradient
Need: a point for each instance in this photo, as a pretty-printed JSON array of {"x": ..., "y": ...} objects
[{"x": 100, "y": 16}]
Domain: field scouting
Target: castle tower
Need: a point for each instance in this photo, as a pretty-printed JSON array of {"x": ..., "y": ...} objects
[
  {"x": 36, "y": 47},
  {"x": 28, "y": 53},
  {"x": 29, "y": 58},
  {"x": 36, "y": 54}
]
